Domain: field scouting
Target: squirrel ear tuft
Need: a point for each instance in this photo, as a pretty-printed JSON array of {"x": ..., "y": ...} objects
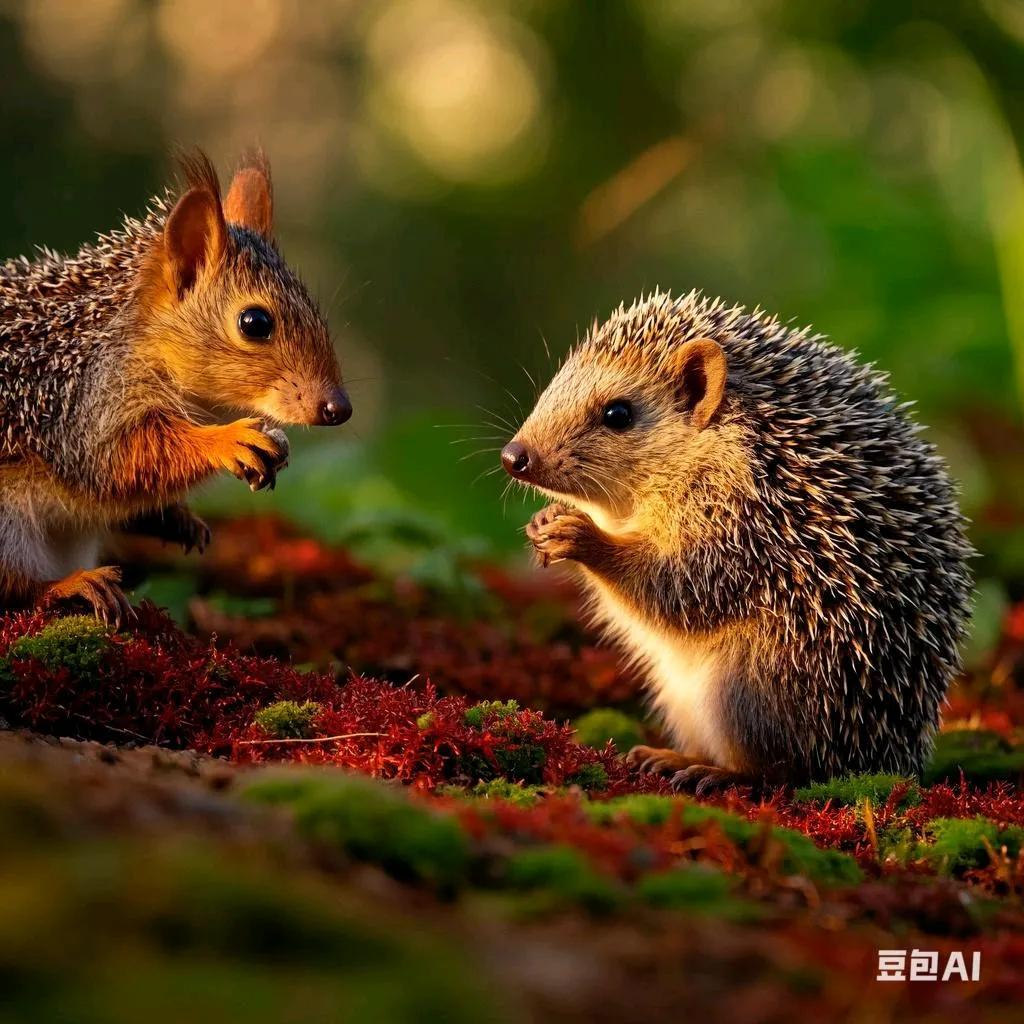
[
  {"x": 194, "y": 237},
  {"x": 699, "y": 369},
  {"x": 250, "y": 199}
]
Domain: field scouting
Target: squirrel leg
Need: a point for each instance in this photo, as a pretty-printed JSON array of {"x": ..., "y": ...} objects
[
  {"x": 175, "y": 523},
  {"x": 99, "y": 588},
  {"x": 166, "y": 455}
]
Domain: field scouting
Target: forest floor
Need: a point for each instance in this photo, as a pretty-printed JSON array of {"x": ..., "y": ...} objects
[{"x": 338, "y": 792}]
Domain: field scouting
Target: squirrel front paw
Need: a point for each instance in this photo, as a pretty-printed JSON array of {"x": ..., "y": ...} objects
[
  {"x": 560, "y": 532},
  {"x": 251, "y": 452}
]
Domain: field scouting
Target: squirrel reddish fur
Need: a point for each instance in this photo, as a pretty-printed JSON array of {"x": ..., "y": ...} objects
[
  {"x": 759, "y": 523},
  {"x": 117, "y": 365}
]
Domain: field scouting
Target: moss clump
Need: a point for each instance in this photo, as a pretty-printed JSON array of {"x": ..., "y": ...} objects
[
  {"x": 76, "y": 642},
  {"x": 696, "y": 889},
  {"x": 800, "y": 855},
  {"x": 590, "y": 777},
  {"x": 981, "y": 755},
  {"x": 210, "y": 933},
  {"x": 372, "y": 822},
  {"x": 516, "y": 762},
  {"x": 597, "y": 727},
  {"x": 489, "y": 711},
  {"x": 563, "y": 875},
  {"x": 959, "y": 844},
  {"x": 288, "y": 720},
  {"x": 642, "y": 808},
  {"x": 851, "y": 790},
  {"x": 501, "y": 789}
]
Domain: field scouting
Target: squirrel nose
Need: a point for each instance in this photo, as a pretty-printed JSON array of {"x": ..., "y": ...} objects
[
  {"x": 515, "y": 457},
  {"x": 335, "y": 410}
]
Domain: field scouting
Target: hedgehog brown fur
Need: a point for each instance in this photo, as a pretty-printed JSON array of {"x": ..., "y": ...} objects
[{"x": 791, "y": 576}]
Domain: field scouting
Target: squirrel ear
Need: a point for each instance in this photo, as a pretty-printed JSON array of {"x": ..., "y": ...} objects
[
  {"x": 699, "y": 369},
  {"x": 250, "y": 199},
  {"x": 194, "y": 237}
]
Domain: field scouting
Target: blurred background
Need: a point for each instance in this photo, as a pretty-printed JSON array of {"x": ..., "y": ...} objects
[{"x": 460, "y": 182}]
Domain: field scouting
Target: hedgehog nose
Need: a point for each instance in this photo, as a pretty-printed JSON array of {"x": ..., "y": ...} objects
[
  {"x": 515, "y": 457},
  {"x": 335, "y": 410}
]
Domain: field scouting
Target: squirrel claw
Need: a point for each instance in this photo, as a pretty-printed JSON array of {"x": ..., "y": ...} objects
[{"x": 100, "y": 589}]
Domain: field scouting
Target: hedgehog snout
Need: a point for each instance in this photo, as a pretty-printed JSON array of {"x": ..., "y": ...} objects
[{"x": 518, "y": 460}]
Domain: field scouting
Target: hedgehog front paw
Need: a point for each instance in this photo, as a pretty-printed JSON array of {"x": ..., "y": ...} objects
[{"x": 560, "y": 532}]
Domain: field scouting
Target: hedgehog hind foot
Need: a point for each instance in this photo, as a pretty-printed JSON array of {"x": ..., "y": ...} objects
[
  {"x": 98, "y": 588},
  {"x": 659, "y": 760},
  {"x": 705, "y": 779}
]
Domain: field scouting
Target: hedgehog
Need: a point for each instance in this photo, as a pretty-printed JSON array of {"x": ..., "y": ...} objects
[
  {"x": 757, "y": 521},
  {"x": 120, "y": 368}
]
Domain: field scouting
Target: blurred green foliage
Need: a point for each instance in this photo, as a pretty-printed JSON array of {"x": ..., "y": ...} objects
[{"x": 856, "y": 167}]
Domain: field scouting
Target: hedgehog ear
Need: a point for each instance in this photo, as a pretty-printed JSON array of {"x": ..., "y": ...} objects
[
  {"x": 699, "y": 370},
  {"x": 250, "y": 199},
  {"x": 194, "y": 237}
]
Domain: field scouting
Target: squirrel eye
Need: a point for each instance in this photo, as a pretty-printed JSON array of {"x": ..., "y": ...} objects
[
  {"x": 618, "y": 415},
  {"x": 256, "y": 323}
]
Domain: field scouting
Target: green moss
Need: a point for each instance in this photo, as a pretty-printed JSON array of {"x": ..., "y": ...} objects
[
  {"x": 563, "y": 875},
  {"x": 287, "y": 719},
  {"x": 371, "y": 821},
  {"x": 590, "y": 777},
  {"x": 489, "y": 711},
  {"x": 517, "y": 762},
  {"x": 501, "y": 789},
  {"x": 76, "y": 642},
  {"x": 983, "y": 756},
  {"x": 958, "y": 844},
  {"x": 425, "y": 721},
  {"x": 642, "y": 808},
  {"x": 597, "y": 727},
  {"x": 854, "y": 789},
  {"x": 696, "y": 889},
  {"x": 800, "y": 855},
  {"x": 197, "y": 933}
]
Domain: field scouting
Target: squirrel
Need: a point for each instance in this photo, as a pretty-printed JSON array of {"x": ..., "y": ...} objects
[
  {"x": 118, "y": 364},
  {"x": 758, "y": 522}
]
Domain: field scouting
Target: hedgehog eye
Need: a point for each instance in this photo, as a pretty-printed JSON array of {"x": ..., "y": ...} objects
[
  {"x": 255, "y": 323},
  {"x": 618, "y": 415}
]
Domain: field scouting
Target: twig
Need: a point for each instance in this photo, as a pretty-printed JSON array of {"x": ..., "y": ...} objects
[{"x": 303, "y": 739}]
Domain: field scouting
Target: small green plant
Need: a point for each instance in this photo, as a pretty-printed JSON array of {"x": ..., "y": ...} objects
[
  {"x": 489, "y": 711},
  {"x": 597, "y": 727},
  {"x": 851, "y": 790},
  {"x": 288, "y": 720},
  {"x": 425, "y": 721},
  {"x": 76, "y": 642}
]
